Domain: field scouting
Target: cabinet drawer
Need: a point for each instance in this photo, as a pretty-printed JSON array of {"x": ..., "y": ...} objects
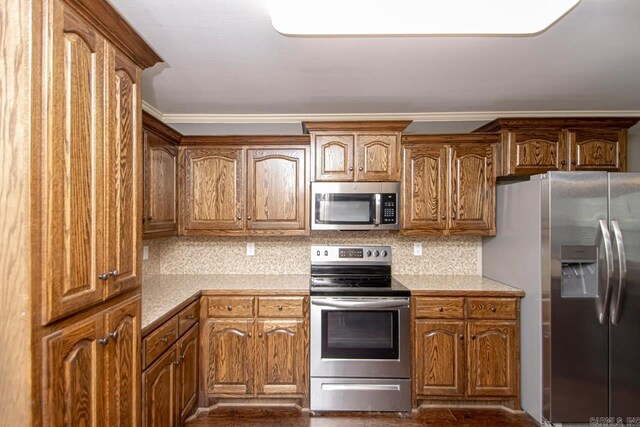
[
  {"x": 280, "y": 306},
  {"x": 440, "y": 308},
  {"x": 491, "y": 308},
  {"x": 160, "y": 340},
  {"x": 188, "y": 317},
  {"x": 230, "y": 307}
]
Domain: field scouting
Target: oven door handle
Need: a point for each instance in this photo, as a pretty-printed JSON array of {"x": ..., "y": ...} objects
[{"x": 361, "y": 304}]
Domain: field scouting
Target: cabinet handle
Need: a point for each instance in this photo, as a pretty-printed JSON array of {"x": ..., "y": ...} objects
[
  {"x": 260, "y": 335},
  {"x": 104, "y": 341},
  {"x": 249, "y": 334},
  {"x": 176, "y": 362},
  {"x": 146, "y": 218},
  {"x": 473, "y": 337},
  {"x": 249, "y": 218},
  {"x": 190, "y": 317},
  {"x": 165, "y": 339},
  {"x": 113, "y": 335},
  {"x": 444, "y": 217},
  {"x": 493, "y": 309},
  {"x": 280, "y": 308},
  {"x": 453, "y": 217},
  {"x": 563, "y": 163},
  {"x": 573, "y": 162},
  {"x": 441, "y": 309},
  {"x": 181, "y": 357},
  {"x": 239, "y": 217},
  {"x": 360, "y": 168},
  {"x": 114, "y": 273},
  {"x": 229, "y": 308},
  {"x": 462, "y": 337},
  {"x": 350, "y": 168},
  {"x": 104, "y": 276}
]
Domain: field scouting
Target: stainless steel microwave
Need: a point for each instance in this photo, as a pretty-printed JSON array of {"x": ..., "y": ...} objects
[{"x": 355, "y": 205}]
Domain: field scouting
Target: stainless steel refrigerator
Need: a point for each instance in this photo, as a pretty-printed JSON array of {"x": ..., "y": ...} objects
[{"x": 571, "y": 241}]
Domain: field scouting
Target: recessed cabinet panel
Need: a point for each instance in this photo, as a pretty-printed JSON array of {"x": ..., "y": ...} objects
[
  {"x": 535, "y": 151},
  {"x": 161, "y": 190},
  {"x": 276, "y": 189},
  {"x": 187, "y": 374},
  {"x": 159, "y": 392},
  {"x": 230, "y": 357},
  {"x": 472, "y": 188},
  {"x": 593, "y": 149},
  {"x": 377, "y": 157},
  {"x": 124, "y": 174},
  {"x": 334, "y": 157},
  {"x": 213, "y": 189},
  {"x": 73, "y": 176},
  {"x": 439, "y": 359},
  {"x": 425, "y": 188}
]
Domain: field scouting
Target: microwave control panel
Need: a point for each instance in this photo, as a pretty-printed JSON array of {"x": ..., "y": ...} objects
[{"x": 389, "y": 208}]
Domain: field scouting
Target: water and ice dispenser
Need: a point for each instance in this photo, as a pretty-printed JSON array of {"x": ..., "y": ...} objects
[{"x": 579, "y": 271}]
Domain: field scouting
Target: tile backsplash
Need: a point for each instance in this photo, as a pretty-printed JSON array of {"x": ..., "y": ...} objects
[{"x": 291, "y": 255}]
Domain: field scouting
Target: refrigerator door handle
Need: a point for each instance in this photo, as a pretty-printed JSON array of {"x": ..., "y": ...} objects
[
  {"x": 616, "y": 307},
  {"x": 603, "y": 301}
]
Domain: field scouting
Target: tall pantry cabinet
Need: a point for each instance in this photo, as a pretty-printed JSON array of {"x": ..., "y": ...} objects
[{"x": 87, "y": 215}]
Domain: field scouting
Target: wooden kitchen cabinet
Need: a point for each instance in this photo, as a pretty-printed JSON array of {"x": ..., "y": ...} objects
[
  {"x": 158, "y": 384},
  {"x": 187, "y": 374},
  {"x": 440, "y": 358},
  {"x": 264, "y": 354},
  {"x": 245, "y": 190},
  {"x": 448, "y": 184},
  {"x": 534, "y": 146},
  {"x": 356, "y": 151},
  {"x": 492, "y": 358},
  {"x": 92, "y": 370},
  {"x": 466, "y": 350},
  {"x": 160, "y": 210}
]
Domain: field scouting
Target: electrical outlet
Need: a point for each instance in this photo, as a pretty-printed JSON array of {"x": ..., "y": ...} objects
[
  {"x": 417, "y": 249},
  {"x": 145, "y": 253},
  {"x": 251, "y": 249}
]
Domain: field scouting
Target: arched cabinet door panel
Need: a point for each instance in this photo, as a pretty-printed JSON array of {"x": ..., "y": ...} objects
[
  {"x": 334, "y": 157},
  {"x": 229, "y": 353},
  {"x": 377, "y": 157},
  {"x": 598, "y": 150}
]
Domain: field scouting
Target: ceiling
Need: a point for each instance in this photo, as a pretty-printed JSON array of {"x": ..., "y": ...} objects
[{"x": 224, "y": 59}]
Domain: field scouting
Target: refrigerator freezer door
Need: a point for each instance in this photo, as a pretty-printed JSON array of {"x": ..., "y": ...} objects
[
  {"x": 575, "y": 352},
  {"x": 624, "y": 351}
]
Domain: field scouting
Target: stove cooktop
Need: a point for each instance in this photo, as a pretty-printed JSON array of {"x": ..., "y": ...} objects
[{"x": 357, "y": 286}]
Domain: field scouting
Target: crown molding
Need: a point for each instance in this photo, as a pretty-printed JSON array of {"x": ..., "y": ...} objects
[{"x": 467, "y": 116}]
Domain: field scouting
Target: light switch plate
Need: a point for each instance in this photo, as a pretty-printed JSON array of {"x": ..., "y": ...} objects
[
  {"x": 417, "y": 249},
  {"x": 251, "y": 249},
  {"x": 145, "y": 253}
]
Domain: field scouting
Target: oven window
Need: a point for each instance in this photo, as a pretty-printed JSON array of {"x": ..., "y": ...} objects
[
  {"x": 345, "y": 208},
  {"x": 354, "y": 334}
]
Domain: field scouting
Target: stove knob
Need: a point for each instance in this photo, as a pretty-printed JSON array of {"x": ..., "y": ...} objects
[
  {"x": 384, "y": 253},
  {"x": 376, "y": 253},
  {"x": 318, "y": 253},
  {"x": 368, "y": 253},
  {"x": 326, "y": 253}
]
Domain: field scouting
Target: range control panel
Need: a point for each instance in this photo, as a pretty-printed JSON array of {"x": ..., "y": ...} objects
[
  {"x": 345, "y": 254},
  {"x": 389, "y": 208}
]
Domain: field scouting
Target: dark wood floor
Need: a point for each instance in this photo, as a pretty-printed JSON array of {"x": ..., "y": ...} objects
[{"x": 429, "y": 417}]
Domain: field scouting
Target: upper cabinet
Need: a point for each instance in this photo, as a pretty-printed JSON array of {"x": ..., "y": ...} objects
[
  {"x": 234, "y": 188},
  {"x": 160, "y": 207},
  {"x": 356, "y": 151},
  {"x": 533, "y": 146},
  {"x": 89, "y": 170},
  {"x": 448, "y": 184}
]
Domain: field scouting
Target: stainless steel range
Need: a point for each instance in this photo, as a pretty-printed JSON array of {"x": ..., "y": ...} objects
[{"x": 360, "y": 331}]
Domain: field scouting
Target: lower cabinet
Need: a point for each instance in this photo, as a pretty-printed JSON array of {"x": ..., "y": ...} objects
[
  {"x": 171, "y": 384},
  {"x": 264, "y": 355},
  {"x": 92, "y": 369},
  {"x": 469, "y": 354}
]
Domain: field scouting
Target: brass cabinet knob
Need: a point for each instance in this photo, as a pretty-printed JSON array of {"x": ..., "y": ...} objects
[
  {"x": 493, "y": 309},
  {"x": 461, "y": 337},
  {"x": 280, "y": 308},
  {"x": 229, "y": 308},
  {"x": 260, "y": 335},
  {"x": 249, "y": 334},
  {"x": 441, "y": 309}
]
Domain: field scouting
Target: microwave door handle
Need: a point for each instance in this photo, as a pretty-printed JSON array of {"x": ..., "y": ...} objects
[
  {"x": 616, "y": 308},
  {"x": 604, "y": 238},
  {"x": 361, "y": 304},
  {"x": 378, "y": 208}
]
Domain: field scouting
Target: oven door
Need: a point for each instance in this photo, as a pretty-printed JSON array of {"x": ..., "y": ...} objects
[
  {"x": 345, "y": 211},
  {"x": 360, "y": 337}
]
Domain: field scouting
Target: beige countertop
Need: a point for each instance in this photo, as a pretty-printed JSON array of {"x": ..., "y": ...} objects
[
  {"x": 162, "y": 293},
  {"x": 455, "y": 285}
]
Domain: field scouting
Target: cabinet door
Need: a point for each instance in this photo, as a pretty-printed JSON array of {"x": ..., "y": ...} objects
[
  {"x": 277, "y": 190},
  {"x": 187, "y": 374},
  {"x": 473, "y": 192},
  {"x": 160, "y": 187},
  {"x": 492, "y": 358},
  {"x": 73, "y": 168},
  {"x": 281, "y": 357},
  {"x": 230, "y": 357},
  {"x": 334, "y": 157},
  {"x": 159, "y": 392},
  {"x": 122, "y": 364},
  {"x": 531, "y": 151},
  {"x": 213, "y": 189},
  {"x": 73, "y": 375},
  {"x": 424, "y": 189},
  {"x": 598, "y": 150},
  {"x": 377, "y": 157},
  {"x": 439, "y": 358},
  {"x": 124, "y": 173}
]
